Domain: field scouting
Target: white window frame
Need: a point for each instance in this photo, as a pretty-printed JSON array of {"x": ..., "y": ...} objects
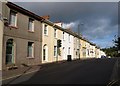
[
  {"x": 31, "y": 21},
  {"x": 11, "y": 21},
  {"x": 69, "y": 37},
  {"x": 69, "y": 52},
  {"x": 46, "y": 29},
  {"x": 55, "y": 51},
  {"x": 63, "y": 35},
  {"x": 55, "y": 32},
  {"x": 32, "y": 50},
  {"x": 46, "y": 53}
]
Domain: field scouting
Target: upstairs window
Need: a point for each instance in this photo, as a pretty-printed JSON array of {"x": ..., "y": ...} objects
[
  {"x": 69, "y": 37},
  {"x": 63, "y": 36},
  {"x": 55, "y": 51},
  {"x": 55, "y": 33},
  {"x": 13, "y": 18},
  {"x": 31, "y": 25},
  {"x": 30, "y": 49},
  {"x": 45, "y": 30},
  {"x": 69, "y": 50}
]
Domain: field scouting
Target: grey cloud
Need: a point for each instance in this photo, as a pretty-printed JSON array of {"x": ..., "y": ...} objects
[
  {"x": 100, "y": 30},
  {"x": 100, "y": 18},
  {"x": 71, "y": 11}
]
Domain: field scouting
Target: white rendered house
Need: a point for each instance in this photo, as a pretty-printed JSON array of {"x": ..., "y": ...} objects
[{"x": 67, "y": 45}]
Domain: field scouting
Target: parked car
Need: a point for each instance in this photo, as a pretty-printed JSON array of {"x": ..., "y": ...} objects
[{"x": 103, "y": 56}]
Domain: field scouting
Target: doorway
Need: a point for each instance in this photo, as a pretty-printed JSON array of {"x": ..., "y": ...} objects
[{"x": 9, "y": 51}]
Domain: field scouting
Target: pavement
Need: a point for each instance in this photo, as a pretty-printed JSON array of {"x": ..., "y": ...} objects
[{"x": 7, "y": 74}]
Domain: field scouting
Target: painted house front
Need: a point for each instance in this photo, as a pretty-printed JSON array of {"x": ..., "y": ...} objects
[
  {"x": 88, "y": 50},
  {"x": 51, "y": 33},
  {"x": 98, "y": 52},
  {"x": 67, "y": 44},
  {"x": 26, "y": 38},
  {"x": 76, "y": 48},
  {"x": 1, "y": 34},
  {"x": 83, "y": 48},
  {"x": 22, "y": 37},
  {"x": 92, "y": 50}
]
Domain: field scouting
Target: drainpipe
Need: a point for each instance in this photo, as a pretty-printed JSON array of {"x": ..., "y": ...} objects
[
  {"x": 1, "y": 34},
  {"x": 1, "y": 39},
  {"x": 1, "y": 30},
  {"x": 79, "y": 40}
]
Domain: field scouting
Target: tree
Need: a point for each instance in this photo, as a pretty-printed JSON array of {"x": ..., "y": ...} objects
[
  {"x": 113, "y": 51},
  {"x": 117, "y": 42}
]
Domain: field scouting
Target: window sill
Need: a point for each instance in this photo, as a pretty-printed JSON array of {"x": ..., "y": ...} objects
[
  {"x": 45, "y": 60},
  {"x": 55, "y": 37},
  {"x": 11, "y": 26},
  {"x": 30, "y": 31},
  {"x": 63, "y": 39},
  {"x": 30, "y": 57},
  {"x": 45, "y": 35}
]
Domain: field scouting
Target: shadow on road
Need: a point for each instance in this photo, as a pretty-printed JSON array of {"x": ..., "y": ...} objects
[{"x": 92, "y": 71}]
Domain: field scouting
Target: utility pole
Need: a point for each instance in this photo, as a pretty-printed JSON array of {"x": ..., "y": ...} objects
[
  {"x": 79, "y": 40},
  {"x": 79, "y": 36}
]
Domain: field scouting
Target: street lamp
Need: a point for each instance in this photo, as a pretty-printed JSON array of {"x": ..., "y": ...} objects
[{"x": 80, "y": 24}]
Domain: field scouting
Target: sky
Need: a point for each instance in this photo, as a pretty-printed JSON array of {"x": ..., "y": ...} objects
[{"x": 98, "y": 20}]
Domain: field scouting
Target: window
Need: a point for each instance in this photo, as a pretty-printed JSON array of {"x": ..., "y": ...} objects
[
  {"x": 74, "y": 40},
  {"x": 55, "y": 33},
  {"x": 84, "y": 52},
  {"x": 10, "y": 51},
  {"x": 69, "y": 50},
  {"x": 63, "y": 35},
  {"x": 44, "y": 54},
  {"x": 31, "y": 25},
  {"x": 55, "y": 51},
  {"x": 13, "y": 18},
  {"x": 88, "y": 51},
  {"x": 69, "y": 37},
  {"x": 45, "y": 30},
  {"x": 30, "y": 49}
]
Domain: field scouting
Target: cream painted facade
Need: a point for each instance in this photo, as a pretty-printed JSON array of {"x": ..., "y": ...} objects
[
  {"x": 97, "y": 53},
  {"x": 92, "y": 51},
  {"x": 83, "y": 49},
  {"x": 76, "y": 48},
  {"x": 88, "y": 50},
  {"x": 49, "y": 42}
]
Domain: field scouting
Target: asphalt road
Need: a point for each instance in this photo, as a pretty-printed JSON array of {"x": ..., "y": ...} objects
[{"x": 92, "y": 71}]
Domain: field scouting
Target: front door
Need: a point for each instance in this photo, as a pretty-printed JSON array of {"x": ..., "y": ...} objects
[{"x": 9, "y": 51}]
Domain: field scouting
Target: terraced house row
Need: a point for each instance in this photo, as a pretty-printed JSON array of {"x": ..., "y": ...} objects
[{"x": 27, "y": 38}]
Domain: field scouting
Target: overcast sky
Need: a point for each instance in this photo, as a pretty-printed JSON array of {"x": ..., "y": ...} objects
[{"x": 100, "y": 19}]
